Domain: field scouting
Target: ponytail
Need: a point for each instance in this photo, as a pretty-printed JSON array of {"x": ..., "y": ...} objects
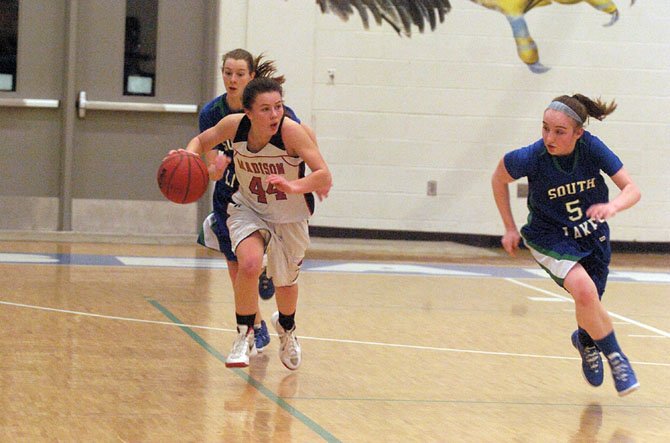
[
  {"x": 585, "y": 107},
  {"x": 266, "y": 68}
]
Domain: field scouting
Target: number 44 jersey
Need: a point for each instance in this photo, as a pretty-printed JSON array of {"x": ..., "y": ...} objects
[{"x": 252, "y": 170}]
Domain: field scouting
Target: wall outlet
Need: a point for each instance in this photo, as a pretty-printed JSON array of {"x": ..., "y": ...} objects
[
  {"x": 431, "y": 189},
  {"x": 522, "y": 190}
]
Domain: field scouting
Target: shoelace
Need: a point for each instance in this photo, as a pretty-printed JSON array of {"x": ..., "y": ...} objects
[
  {"x": 241, "y": 345},
  {"x": 288, "y": 342},
  {"x": 264, "y": 281},
  {"x": 592, "y": 357},
  {"x": 620, "y": 369},
  {"x": 291, "y": 345}
]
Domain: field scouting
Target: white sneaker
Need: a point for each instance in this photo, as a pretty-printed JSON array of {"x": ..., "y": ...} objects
[
  {"x": 243, "y": 347},
  {"x": 290, "y": 353}
]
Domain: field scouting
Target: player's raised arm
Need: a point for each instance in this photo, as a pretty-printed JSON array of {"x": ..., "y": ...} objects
[
  {"x": 204, "y": 142},
  {"x": 222, "y": 131}
]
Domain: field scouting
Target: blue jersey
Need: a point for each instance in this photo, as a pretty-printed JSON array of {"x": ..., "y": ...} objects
[
  {"x": 561, "y": 189},
  {"x": 209, "y": 116}
]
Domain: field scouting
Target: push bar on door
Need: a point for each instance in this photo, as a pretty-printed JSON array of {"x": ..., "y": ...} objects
[
  {"x": 28, "y": 103},
  {"x": 83, "y": 105}
]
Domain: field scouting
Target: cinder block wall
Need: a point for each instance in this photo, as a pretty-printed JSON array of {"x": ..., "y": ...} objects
[{"x": 393, "y": 113}]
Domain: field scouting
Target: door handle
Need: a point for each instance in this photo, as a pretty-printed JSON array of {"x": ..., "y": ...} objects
[
  {"x": 83, "y": 105},
  {"x": 28, "y": 103}
]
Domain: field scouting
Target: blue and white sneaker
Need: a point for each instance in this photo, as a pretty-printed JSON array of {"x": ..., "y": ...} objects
[
  {"x": 592, "y": 363},
  {"x": 624, "y": 377},
  {"x": 266, "y": 289},
  {"x": 262, "y": 336}
]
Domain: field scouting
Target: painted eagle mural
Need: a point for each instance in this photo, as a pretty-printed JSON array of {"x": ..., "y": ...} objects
[{"x": 403, "y": 15}]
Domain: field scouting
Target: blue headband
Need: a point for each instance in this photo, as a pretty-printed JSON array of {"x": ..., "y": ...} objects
[{"x": 565, "y": 109}]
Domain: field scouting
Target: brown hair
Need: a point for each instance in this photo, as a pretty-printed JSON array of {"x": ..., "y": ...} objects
[
  {"x": 258, "y": 66},
  {"x": 585, "y": 107},
  {"x": 258, "y": 86}
]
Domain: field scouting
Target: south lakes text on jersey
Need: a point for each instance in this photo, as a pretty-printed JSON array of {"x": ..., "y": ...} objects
[{"x": 571, "y": 188}]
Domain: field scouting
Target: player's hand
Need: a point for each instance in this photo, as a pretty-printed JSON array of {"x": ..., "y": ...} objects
[
  {"x": 510, "y": 241},
  {"x": 601, "y": 211},
  {"x": 281, "y": 183},
  {"x": 322, "y": 193},
  {"x": 216, "y": 164}
]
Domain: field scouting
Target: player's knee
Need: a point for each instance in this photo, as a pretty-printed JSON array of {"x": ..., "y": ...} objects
[
  {"x": 250, "y": 266},
  {"x": 585, "y": 297}
]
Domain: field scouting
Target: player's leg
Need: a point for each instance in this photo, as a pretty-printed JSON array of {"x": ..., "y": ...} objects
[
  {"x": 283, "y": 320},
  {"x": 249, "y": 262},
  {"x": 249, "y": 259},
  {"x": 285, "y": 253},
  {"x": 559, "y": 258},
  {"x": 266, "y": 288},
  {"x": 261, "y": 333},
  {"x": 594, "y": 319},
  {"x": 232, "y": 270},
  {"x": 248, "y": 236},
  {"x": 591, "y": 314},
  {"x": 215, "y": 235}
]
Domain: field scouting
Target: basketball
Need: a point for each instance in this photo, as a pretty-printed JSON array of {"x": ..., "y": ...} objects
[{"x": 183, "y": 178}]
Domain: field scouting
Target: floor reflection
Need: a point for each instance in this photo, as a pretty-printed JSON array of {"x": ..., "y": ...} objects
[
  {"x": 258, "y": 366},
  {"x": 288, "y": 386},
  {"x": 590, "y": 423},
  {"x": 252, "y": 418}
]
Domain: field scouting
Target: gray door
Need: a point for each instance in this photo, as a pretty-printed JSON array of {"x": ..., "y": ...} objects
[
  {"x": 81, "y": 137},
  {"x": 30, "y": 120}
]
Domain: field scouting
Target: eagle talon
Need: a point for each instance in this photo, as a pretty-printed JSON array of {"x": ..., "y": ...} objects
[
  {"x": 538, "y": 68},
  {"x": 614, "y": 19}
]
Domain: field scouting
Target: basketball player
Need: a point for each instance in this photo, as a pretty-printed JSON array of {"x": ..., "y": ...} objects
[
  {"x": 567, "y": 231},
  {"x": 239, "y": 67},
  {"x": 270, "y": 209}
]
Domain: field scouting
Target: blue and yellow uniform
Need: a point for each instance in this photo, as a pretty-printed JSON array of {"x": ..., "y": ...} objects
[{"x": 560, "y": 190}]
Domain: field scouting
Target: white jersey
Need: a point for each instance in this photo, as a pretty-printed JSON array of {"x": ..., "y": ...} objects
[{"x": 252, "y": 170}]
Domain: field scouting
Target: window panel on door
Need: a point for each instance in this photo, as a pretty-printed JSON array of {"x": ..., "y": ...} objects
[
  {"x": 139, "y": 70},
  {"x": 9, "y": 31}
]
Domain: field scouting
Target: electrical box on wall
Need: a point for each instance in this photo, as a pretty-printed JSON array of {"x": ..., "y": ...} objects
[
  {"x": 522, "y": 190},
  {"x": 431, "y": 188}
]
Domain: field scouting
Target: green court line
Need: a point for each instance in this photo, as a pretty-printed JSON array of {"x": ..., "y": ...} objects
[{"x": 327, "y": 436}]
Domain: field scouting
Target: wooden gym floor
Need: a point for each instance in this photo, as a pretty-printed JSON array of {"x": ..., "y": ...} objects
[{"x": 126, "y": 343}]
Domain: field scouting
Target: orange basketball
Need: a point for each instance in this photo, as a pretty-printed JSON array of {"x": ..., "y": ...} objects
[{"x": 183, "y": 178}]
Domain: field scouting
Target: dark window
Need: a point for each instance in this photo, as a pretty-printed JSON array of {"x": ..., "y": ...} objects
[
  {"x": 139, "y": 71},
  {"x": 9, "y": 32}
]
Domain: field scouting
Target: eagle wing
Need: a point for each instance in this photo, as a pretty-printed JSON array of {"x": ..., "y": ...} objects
[{"x": 400, "y": 14}]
